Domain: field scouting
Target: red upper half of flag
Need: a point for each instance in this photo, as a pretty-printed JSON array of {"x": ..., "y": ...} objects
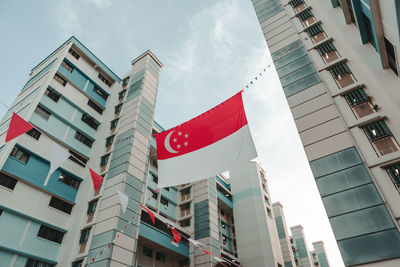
[{"x": 203, "y": 130}]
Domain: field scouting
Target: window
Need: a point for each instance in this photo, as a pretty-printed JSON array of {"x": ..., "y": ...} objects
[
  {"x": 50, "y": 234},
  {"x": 104, "y": 160},
  {"x": 185, "y": 223},
  {"x": 125, "y": 81},
  {"x": 391, "y": 56},
  {"x": 342, "y": 75},
  {"x": 185, "y": 194},
  {"x": 109, "y": 140},
  {"x": 7, "y": 181},
  {"x": 222, "y": 213},
  {"x": 381, "y": 137},
  {"x": 36, "y": 263},
  {"x": 69, "y": 180},
  {"x": 77, "y": 263},
  {"x": 1, "y": 212},
  {"x": 92, "y": 207},
  {"x": 153, "y": 194},
  {"x": 52, "y": 94},
  {"x": 298, "y": 5},
  {"x": 316, "y": 33},
  {"x": 114, "y": 124},
  {"x": 352, "y": 17},
  {"x": 20, "y": 154},
  {"x": 368, "y": 29},
  {"x": 89, "y": 120},
  {"x": 104, "y": 79},
  {"x": 306, "y": 17},
  {"x": 117, "y": 108},
  {"x": 34, "y": 133},
  {"x": 74, "y": 53},
  {"x": 267, "y": 200},
  {"x": 223, "y": 225},
  {"x": 359, "y": 101},
  {"x": 185, "y": 209},
  {"x": 83, "y": 139},
  {"x": 394, "y": 173},
  {"x": 269, "y": 212},
  {"x": 60, "y": 205},
  {"x": 100, "y": 92},
  {"x": 155, "y": 178},
  {"x": 164, "y": 202},
  {"x": 42, "y": 113},
  {"x": 147, "y": 252},
  {"x": 160, "y": 256},
  {"x": 121, "y": 94},
  {"x": 75, "y": 157},
  {"x": 60, "y": 79},
  {"x": 166, "y": 189},
  {"x": 84, "y": 235},
  {"x": 68, "y": 66},
  {"x": 95, "y": 106},
  {"x": 223, "y": 239}
]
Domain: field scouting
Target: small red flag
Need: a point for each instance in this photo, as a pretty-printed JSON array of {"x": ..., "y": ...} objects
[
  {"x": 151, "y": 214},
  {"x": 177, "y": 236},
  {"x": 208, "y": 253},
  {"x": 17, "y": 127},
  {"x": 97, "y": 179}
]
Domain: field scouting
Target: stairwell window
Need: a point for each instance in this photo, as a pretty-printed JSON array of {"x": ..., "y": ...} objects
[
  {"x": 117, "y": 108},
  {"x": 83, "y": 139},
  {"x": 91, "y": 209},
  {"x": 328, "y": 52},
  {"x": 394, "y": 174},
  {"x": 121, "y": 94},
  {"x": 43, "y": 113},
  {"x": 185, "y": 209},
  {"x": 95, "y": 106},
  {"x": 359, "y": 102},
  {"x": 306, "y": 17},
  {"x": 114, "y": 124},
  {"x": 125, "y": 82},
  {"x": 298, "y": 5},
  {"x": 20, "y": 155},
  {"x": 110, "y": 140},
  {"x": 316, "y": 33},
  {"x": 60, "y": 79},
  {"x": 50, "y": 234},
  {"x": 342, "y": 75},
  {"x": 104, "y": 160},
  {"x": 84, "y": 235},
  {"x": 104, "y": 79},
  {"x": 74, "y": 53},
  {"x": 381, "y": 137},
  {"x": 37, "y": 263},
  {"x": 52, "y": 94}
]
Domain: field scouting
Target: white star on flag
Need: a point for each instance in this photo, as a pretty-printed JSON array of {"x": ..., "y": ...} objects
[
  {"x": 178, "y": 146},
  {"x": 186, "y": 143},
  {"x": 175, "y": 140},
  {"x": 186, "y": 135},
  {"x": 180, "y": 133}
]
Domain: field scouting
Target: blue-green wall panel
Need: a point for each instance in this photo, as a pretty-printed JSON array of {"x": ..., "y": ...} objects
[
  {"x": 322, "y": 260},
  {"x": 225, "y": 199},
  {"x": 201, "y": 217},
  {"x": 301, "y": 247},
  {"x": 288, "y": 264},
  {"x": 280, "y": 227},
  {"x": 6, "y": 257}
]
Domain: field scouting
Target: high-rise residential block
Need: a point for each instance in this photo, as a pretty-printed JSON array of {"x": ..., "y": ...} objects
[
  {"x": 338, "y": 65},
  {"x": 318, "y": 255}
]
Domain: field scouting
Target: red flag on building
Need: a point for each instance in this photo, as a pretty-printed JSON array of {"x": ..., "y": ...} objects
[
  {"x": 151, "y": 214},
  {"x": 97, "y": 179},
  {"x": 204, "y": 146},
  {"x": 17, "y": 127},
  {"x": 176, "y": 236}
]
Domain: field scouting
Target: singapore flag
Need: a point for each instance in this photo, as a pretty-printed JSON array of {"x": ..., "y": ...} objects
[{"x": 205, "y": 146}]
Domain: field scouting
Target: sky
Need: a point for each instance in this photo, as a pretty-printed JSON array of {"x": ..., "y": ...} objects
[{"x": 210, "y": 49}]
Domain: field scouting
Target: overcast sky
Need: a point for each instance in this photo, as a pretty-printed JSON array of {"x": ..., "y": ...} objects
[{"x": 210, "y": 50}]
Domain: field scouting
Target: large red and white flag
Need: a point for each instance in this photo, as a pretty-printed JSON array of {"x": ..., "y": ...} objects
[{"x": 202, "y": 147}]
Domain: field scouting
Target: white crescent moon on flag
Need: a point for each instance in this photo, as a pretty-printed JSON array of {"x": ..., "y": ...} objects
[{"x": 167, "y": 144}]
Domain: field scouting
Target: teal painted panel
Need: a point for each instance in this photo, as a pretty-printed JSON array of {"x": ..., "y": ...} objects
[
  {"x": 288, "y": 264},
  {"x": 297, "y": 75},
  {"x": 201, "y": 220},
  {"x": 6, "y": 257},
  {"x": 102, "y": 239},
  {"x": 295, "y": 65},
  {"x": 127, "y": 149},
  {"x": 133, "y": 193},
  {"x": 397, "y": 4},
  {"x": 288, "y": 50},
  {"x": 134, "y": 182},
  {"x": 343, "y": 180},
  {"x": 118, "y": 161},
  {"x": 129, "y": 229},
  {"x": 162, "y": 239},
  {"x": 271, "y": 8},
  {"x": 370, "y": 248},
  {"x": 247, "y": 193},
  {"x": 322, "y": 260},
  {"x": 351, "y": 200},
  {"x": 225, "y": 199},
  {"x": 169, "y": 210},
  {"x": 38, "y": 75},
  {"x": 362, "y": 222},
  {"x": 117, "y": 170},
  {"x": 35, "y": 172},
  {"x": 301, "y": 247},
  {"x": 13, "y": 227},
  {"x": 335, "y": 162},
  {"x": 282, "y": 61},
  {"x": 101, "y": 259},
  {"x": 280, "y": 227},
  {"x": 150, "y": 200},
  {"x": 223, "y": 183}
]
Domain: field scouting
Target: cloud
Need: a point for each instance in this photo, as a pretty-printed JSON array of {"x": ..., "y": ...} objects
[{"x": 101, "y": 3}]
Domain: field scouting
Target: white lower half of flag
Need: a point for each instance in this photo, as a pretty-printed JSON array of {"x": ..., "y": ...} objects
[{"x": 207, "y": 161}]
